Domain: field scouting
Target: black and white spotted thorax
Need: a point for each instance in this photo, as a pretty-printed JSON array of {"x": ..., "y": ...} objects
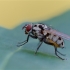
[{"x": 39, "y": 31}]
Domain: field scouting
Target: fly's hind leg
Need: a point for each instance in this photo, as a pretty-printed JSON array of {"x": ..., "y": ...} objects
[
  {"x": 57, "y": 54},
  {"x": 56, "y": 46},
  {"x": 61, "y": 53}
]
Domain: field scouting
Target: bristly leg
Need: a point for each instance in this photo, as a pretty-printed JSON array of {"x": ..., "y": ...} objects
[
  {"x": 57, "y": 54},
  {"x": 39, "y": 46},
  {"x": 21, "y": 42},
  {"x": 61, "y": 53},
  {"x": 24, "y": 42}
]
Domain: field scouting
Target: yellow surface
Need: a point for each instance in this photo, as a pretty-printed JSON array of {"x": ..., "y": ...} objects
[{"x": 13, "y": 12}]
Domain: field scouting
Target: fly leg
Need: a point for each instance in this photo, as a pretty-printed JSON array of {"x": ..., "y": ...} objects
[
  {"x": 61, "y": 53},
  {"x": 35, "y": 37},
  {"x": 24, "y": 42},
  {"x": 39, "y": 46},
  {"x": 21, "y": 42},
  {"x": 57, "y": 54}
]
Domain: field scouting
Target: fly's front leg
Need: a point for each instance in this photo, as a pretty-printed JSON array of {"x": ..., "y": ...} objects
[
  {"x": 35, "y": 37},
  {"x": 57, "y": 54},
  {"x": 21, "y": 42},
  {"x": 24, "y": 42}
]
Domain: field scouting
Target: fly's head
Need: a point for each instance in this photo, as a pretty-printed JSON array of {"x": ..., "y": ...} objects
[{"x": 27, "y": 27}]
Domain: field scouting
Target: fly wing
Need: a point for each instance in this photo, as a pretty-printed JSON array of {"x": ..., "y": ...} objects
[{"x": 59, "y": 34}]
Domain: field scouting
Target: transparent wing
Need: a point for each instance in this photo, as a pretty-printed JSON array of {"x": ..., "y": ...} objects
[{"x": 53, "y": 31}]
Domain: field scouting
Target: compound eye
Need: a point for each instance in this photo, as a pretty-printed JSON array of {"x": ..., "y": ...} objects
[{"x": 28, "y": 28}]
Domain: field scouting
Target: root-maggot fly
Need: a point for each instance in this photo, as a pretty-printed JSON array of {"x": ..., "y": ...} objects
[{"x": 45, "y": 34}]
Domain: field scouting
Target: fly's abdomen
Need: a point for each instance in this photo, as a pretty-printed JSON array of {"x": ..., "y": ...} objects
[
  {"x": 60, "y": 41},
  {"x": 55, "y": 40}
]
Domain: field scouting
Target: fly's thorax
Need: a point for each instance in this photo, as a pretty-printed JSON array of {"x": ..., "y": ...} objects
[{"x": 40, "y": 36}]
